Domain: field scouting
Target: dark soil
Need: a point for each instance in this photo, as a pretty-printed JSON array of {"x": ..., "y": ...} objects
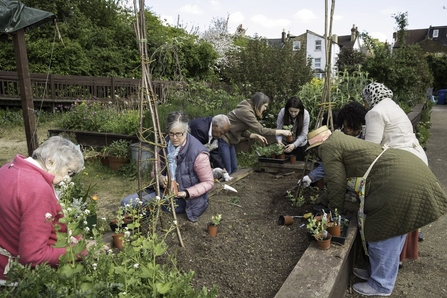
[{"x": 252, "y": 254}]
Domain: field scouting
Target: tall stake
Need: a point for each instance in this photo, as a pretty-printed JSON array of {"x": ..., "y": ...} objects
[
  {"x": 326, "y": 97},
  {"x": 147, "y": 94}
]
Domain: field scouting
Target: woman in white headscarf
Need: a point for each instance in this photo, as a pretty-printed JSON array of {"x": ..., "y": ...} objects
[{"x": 387, "y": 123}]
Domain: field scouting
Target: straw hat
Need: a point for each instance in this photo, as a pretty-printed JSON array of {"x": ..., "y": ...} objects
[{"x": 318, "y": 136}]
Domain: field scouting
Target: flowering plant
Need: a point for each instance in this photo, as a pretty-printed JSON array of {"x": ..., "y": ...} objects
[
  {"x": 143, "y": 268},
  {"x": 215, "y": 219}
]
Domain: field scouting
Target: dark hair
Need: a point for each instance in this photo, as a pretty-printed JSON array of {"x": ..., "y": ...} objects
[
  {"x": 294, "y": 102},
  {"x": 258, "y": 100},
  {"x": 354, "y": 115}
]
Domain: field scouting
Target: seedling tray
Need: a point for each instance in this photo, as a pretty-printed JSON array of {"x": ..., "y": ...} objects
[
  {"x": 341, "y": 239},
  {"x": 273, "y": 160}
]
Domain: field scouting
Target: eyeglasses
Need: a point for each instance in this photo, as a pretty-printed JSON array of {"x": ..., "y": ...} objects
[
  {"x": 176, "y": 134},
  {"x": 71, "y": 173}
]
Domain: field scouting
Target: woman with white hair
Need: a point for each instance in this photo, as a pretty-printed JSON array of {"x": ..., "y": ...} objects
[{"x": 28, "y": 200}]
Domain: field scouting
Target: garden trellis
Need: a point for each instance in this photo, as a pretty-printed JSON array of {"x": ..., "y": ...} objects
[{"x": 148, "y": 98}]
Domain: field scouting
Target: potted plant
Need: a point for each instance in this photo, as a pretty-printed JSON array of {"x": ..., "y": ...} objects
[
  {"x": 118, "y": 153},
  {"x": 212, "y": 226},
  {"x": 318, "y": 229},
  {"x": 289, "y": 139},
  {"x": 278, "y": 149},
  {"x": 334, "y": 224}
]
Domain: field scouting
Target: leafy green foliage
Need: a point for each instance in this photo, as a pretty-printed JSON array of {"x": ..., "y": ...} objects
[
  {"x": 100, "y": 117},
  {"x": 119, "y": 148},
  {"x": 277, "y": 71},
  {"x": 438, "y": 67},
  {"x": 404, "y": 70},
  {"x": 143, "y": 268}
]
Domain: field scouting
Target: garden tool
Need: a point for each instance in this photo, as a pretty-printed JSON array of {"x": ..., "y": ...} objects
[
  {"x": 288, "y": 219},
  {"x": 224, "y": 186}
]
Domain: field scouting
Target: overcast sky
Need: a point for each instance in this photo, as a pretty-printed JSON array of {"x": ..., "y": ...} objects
[{"x": 268, "y": 18}]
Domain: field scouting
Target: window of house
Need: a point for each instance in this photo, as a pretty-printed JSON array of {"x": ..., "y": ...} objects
[
  {"x": 296, "y": 45},
  {"x": 317, "y": 63},
  {"x": 318, "y": 45},
  {"x": 435, "y": 33}
]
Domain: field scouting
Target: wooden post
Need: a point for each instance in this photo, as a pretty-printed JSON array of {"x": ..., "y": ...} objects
[{"x": 26, "y": 92}]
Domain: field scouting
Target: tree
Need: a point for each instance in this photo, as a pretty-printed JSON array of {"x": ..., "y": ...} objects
[
  {"x": 349, "y": 60},
  {"x": 404, "y": 70},
  {"x": 222, "y": 41},
  {"x": 276, "y": 70},
  {"x": 438, "y": 67}
]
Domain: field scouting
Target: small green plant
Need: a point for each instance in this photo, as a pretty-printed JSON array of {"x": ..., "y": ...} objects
[
  {"x": 216, "y": 219},
  {"x": 318, "y": 227},
  {"x": 288, "y": 127},
  {"x": 119, "y": 148},
  {"x": 296, "y": 201},
  {"x": 277, "y": 148},
  {"x": 262, "y": 150}
]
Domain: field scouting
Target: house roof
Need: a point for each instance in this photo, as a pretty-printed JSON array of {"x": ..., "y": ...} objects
[
  {"x": 345, "y": 41},
  {"x": 425, "y": 38}
]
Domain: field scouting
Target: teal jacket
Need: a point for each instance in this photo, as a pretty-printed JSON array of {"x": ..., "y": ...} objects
[{"x": 402, "y": 194}]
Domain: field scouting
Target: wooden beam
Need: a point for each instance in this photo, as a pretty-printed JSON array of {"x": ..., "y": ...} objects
[{"x": 26, "y": 93}]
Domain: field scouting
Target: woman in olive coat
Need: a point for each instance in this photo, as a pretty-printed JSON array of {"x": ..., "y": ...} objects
[{"x": 401, "y": 195}]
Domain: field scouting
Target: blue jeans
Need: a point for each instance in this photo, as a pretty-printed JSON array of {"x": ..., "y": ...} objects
[
  {"x": 384, "y": 262},
  {"x": 148, "y": 195},
  {"x": 228, "y": 155}
]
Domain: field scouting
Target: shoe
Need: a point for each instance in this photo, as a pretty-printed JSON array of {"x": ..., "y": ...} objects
[
  {"x": 421, "y": 237},
  {"x": 361, "y": 273},
  {"x": 401, "y": 265},
  {"x": 365, "y": 289}
]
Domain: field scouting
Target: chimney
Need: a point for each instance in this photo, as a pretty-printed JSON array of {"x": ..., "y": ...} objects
[
  {"x": 283, "y": 36},
  {"x": 353, "y": 32},
  {"x": 334, "y": 38}
]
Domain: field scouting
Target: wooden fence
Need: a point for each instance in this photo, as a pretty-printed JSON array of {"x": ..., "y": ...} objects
[{"x": 51, "y": 90}]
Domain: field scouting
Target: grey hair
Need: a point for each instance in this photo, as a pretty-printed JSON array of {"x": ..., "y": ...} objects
[
  {"x": 61, "y": 152},
  {"x": 220, "y": 120},
  {"x": 177, "y": 119}
]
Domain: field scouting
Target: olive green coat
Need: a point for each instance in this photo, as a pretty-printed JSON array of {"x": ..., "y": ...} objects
[
  {"x": 402, "y": 194},
  {"x": 243, "y": 122}
]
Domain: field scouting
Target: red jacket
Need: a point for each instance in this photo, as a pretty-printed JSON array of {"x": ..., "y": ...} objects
[{"x": 26, "y": 196}]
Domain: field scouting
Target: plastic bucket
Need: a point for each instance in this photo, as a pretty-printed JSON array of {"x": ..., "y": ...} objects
[{"x": 146, "y": 155}]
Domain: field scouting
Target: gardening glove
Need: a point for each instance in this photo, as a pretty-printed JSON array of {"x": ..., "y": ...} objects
[
  {"x": 227, "y": 177},
  {"x": 217, "y": 173},
  {"x": 213, "y": 146},
  {"x": 305, "y": 182}
]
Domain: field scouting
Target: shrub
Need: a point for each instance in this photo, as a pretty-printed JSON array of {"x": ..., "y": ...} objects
[{"x": 100, "y": 117}]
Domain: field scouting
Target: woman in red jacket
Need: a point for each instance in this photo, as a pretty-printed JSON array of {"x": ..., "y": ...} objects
[{"x": 28, "y": 200}]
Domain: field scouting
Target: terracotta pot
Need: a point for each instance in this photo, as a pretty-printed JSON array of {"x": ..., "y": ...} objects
[
  {"x": 289, "y": 139},
  {"x": 326, "y": 243},
  {"x": 118, "y": 240},
  {"x": 104, "y": 160},
  {"x": 273, "y": 155},
  {"x": 115, "y": 163},
  {"x": 285, "y": 220},
  {"x": 334, "y": 230},
  {"x": 282, "y": 156},
  {"x": 292, "y": 158},
  {"x": 212, "y": 230}
]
